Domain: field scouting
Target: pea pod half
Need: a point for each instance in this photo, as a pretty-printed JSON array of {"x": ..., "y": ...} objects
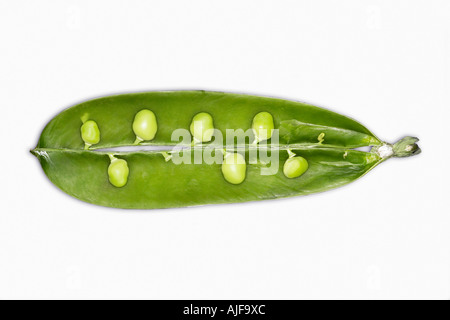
[{"x": 290, "y": 148}]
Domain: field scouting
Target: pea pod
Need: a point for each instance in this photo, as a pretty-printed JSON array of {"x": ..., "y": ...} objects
[{"x": 313, "y": 150}]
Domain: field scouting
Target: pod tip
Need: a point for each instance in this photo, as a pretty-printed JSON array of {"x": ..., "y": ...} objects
[{"x": 406, "y": 147}]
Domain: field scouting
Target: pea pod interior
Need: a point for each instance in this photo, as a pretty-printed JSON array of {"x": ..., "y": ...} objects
[
  {"x": 152, "y": 179},
  {"x": 155, "y": 183},
  {"x": 115, "y": 114}
]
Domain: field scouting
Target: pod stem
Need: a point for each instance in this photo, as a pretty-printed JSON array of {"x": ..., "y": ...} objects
[
  {"x": 195, "y": 142},
  {"x": 112, "y": 157},
  {"x": 405, "y": 147},
  {"x": 290, "y": 153},
  {"x": 224, "y": 152},
  {"x": 137, "y": 141},
  {"x": 167, "y": 156},
  {"x": 85, "y": 117}
]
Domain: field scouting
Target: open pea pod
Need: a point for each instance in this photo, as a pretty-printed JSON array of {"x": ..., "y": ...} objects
[{"x": 277, "y": 149}]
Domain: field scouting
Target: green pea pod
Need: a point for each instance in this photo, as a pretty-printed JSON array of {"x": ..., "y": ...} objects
[{"x": 143, "y": 179}]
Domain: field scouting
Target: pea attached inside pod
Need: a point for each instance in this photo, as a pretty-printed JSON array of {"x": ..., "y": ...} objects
[
  {"x": 90, "y": 133},
  {"x": 202, "y": 127},
  {"x": 234, "y": 168},
  {"x": 145, "y": 126},
  {"x": 263, "y": 126},
  {"x": 295, "y": 166},
  {"x": 118, "y": 172}
]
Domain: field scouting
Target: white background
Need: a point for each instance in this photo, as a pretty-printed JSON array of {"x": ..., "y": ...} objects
[{"x": 384, "y": 63}]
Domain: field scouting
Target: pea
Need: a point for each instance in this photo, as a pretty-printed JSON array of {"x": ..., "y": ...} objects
[
  {"x": 202, "y": 127},
  {"x": 295, "y": 166},
  {"x": 145, "y": 126},
  {"x": 262, "y": 126},
  {"x": 234, "y": 168},
  {"x": 118, "y": 172},
  {"x": 90, "y": 133}
]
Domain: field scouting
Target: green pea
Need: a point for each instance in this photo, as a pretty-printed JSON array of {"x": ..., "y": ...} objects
[
  {"x": 90, "y": 133},
  {"x": 118, "y": 172},
  {"x": 294, "y": 167},
  {"x": 234, "y": 168},
  {"x": 145, "y": 126},
  {"x": 202, "y": 127},
  {"x": 263, "y": 126}
]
